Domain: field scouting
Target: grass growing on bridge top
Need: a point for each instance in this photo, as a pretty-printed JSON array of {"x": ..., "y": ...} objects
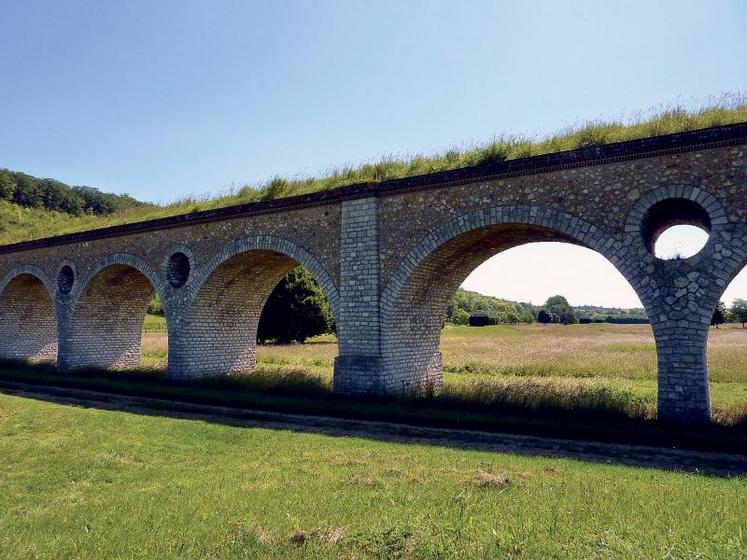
[{"x": 19, "y": 224}]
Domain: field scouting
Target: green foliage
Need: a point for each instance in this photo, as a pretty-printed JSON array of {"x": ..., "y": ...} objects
[
  {"x": 719, "y": 314},
  {"x": 296, "y": 310},
  {"x": 7, "y": 186},
  {"x": 597, "y": 314},
  {"x": 29, "y": 192},
  {"x": 155, "y": 307},
  {"x": 544, "y": 316},
  {"x": 101, "y": 209},
  {"x": 464, "y": 303},
  {"x": 567, "y": 316},
  {"x": 459, "y": 316},
  {"x": 501, "y": 311},
  {"x": 560, "y": 310},
  {"x": 739, "y": 311}
]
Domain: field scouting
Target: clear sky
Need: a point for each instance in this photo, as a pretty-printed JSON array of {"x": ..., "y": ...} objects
[{"x": 168, "y": 98}]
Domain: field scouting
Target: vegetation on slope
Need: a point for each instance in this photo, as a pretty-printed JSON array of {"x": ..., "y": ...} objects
[
  {"x": 31, "y": 192},
  {"x": 726, "y": 110}
]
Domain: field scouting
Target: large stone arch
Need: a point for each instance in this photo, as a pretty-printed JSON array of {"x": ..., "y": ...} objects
[
  {"x": 223, "y": 303},
  {"x": 104, "y": 313},
  {"x": 415, "y": 297},
  {"x": 28, "y": 317}
]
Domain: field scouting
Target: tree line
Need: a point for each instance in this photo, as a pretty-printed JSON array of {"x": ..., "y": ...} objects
[
  {"x": 737, "y": 313},
  {"x": 50, "y": 194},
  {"x": 492, "y": 311}
]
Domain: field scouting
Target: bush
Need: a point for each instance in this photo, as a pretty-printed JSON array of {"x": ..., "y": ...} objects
[{"x": 296, "y": 310}]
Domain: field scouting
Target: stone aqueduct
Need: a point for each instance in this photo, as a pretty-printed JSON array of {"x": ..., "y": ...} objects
[{"x": 389, "y": 256}]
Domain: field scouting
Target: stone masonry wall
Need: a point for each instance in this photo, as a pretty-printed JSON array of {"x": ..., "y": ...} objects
[
  {"x": 358, "y": 326},
  {"x": 28, "y": 324},
  {"x": 388, "y": 256},
  {"x": 218, "y": 334},
  {"x": 104, "y": 327}
]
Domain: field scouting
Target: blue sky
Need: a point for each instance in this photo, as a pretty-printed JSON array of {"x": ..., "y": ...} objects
[{"x": 163, "y": 99}]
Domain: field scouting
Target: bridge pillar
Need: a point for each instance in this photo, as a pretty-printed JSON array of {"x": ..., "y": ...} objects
[
  {"x": 681, "y": 334},
  {"x": 358, "y": 366},
  {"x": 680, "y": 314}
]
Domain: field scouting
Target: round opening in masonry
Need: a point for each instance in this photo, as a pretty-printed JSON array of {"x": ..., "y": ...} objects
[
  {"x": 675, "y": 228},
  {"x": 65, "y": 279},
  {"x": 178, "y": 269}
]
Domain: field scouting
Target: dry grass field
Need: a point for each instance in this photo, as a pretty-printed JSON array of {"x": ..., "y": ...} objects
[{"x": 533, "y": 364}]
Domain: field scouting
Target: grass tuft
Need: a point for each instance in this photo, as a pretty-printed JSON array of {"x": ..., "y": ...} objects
[{"x": 483, "y": 479}]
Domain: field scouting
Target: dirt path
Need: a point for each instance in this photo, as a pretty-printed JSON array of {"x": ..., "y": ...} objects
[{"x": 721, "y": 464}]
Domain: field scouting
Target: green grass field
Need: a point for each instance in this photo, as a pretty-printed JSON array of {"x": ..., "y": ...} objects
[
  {"x": 532, "y": 364},
  {"x": 91, "y": 484}
]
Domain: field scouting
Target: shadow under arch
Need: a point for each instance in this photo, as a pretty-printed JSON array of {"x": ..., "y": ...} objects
[
  {"x": 218, "y": 333},
  {"x": 28, "y": 317},
  {"x": 106, "y": 311},
  {"x": 416, "y": 295}
]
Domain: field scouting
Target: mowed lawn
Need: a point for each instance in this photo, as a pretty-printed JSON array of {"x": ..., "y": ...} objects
[
  {"x": 534, "y": 364},
  {"x": 92, "y": 484}
]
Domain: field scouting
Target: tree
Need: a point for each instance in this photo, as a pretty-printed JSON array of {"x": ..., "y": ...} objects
[
  {"x": 459, "y": 316},
  {"x": 155, "y": 307},
  {"x": 296, "y": 310},
  {"x": 7, "y": 185},
  {"x": 568, "y": 316},
  {"x": 739, "y": 310},
  {"x": 27, "y": 192},
  {"x": 561, "y": 310},
  {"x": 544, "y": 316},
  {"x": 719, "y": 314}
]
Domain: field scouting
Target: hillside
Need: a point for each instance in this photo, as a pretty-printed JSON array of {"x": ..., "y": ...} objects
[{"x": 55, "y": 208}]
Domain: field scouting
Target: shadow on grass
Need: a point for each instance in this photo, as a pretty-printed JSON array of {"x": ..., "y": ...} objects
[{"x": 592, "y": 413}]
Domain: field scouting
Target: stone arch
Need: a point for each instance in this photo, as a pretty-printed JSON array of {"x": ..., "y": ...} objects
[
  {"x": 105, "y": 313},
  {"x": 224, "y": 301},
  {"x": 28, "y": 317},
  {"x": 415, "y": 297}
]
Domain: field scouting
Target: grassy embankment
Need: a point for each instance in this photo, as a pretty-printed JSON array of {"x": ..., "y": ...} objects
[
  {"x": 90, "y": 484},
  {"x": 19, "y": 224},
  {"x": 587, "y": 381}
]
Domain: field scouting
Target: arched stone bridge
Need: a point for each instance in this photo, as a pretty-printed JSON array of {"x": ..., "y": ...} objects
[{"x": 389, "y": 256}]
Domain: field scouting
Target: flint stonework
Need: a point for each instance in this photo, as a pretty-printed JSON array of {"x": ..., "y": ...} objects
[{"x": 388, "y": 256}]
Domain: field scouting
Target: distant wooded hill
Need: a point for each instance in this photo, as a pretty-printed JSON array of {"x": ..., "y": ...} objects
[
  {"x": 27, "y": 191},
  {"x": 464, "y": 303}
]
